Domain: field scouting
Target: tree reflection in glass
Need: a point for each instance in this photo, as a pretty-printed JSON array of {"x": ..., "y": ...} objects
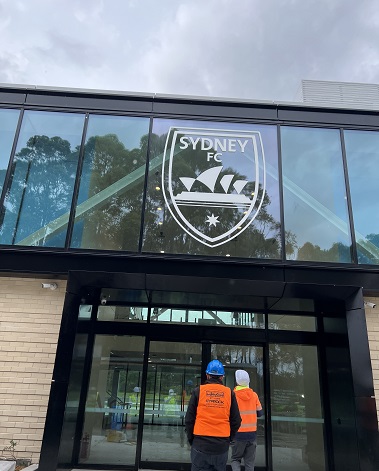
[{"x": 165, "y": 233}]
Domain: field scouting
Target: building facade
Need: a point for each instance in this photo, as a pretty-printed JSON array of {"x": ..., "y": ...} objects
[{"x": 143, "y": 235}]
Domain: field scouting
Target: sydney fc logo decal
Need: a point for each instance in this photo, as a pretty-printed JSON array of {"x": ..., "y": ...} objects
[{"x": 213, "y": 181}]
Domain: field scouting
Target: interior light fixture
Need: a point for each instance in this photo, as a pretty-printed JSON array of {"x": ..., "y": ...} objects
[{"x": 49, "y": 286}]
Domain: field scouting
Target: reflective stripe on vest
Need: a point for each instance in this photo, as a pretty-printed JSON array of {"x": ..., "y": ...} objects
[
  {"x": 213, "y": 411},
  {"x": 248, "y": 415}
]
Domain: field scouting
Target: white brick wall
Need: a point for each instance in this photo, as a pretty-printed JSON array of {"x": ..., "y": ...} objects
[{"x": 30, "y": 318}]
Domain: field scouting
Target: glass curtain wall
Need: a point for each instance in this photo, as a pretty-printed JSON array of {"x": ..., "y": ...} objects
[
  {"x": 213, "y": 188},
  {"x": 39, "y": 195},
  {"x": 314, "y": 195},
  {"x": 362, "y": 155},
  {"x": 109, "y": 208}
]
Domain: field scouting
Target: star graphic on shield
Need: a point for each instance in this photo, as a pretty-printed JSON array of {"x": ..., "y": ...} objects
[
  {"x": 213, "y": 181},
  {"x": 212, "y": 220}
]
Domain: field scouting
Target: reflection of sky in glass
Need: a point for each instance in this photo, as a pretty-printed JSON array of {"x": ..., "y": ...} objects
[
  {"x": 362, "y": 154},
  {"x": 8, "y": 123},
  {"x": 68, "y": 126},
  {"x": 314, "y": 190},
  {"x": 128, "y": 130}
]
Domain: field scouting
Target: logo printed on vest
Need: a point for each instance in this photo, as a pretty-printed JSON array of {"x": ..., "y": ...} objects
[
  {"x": 215, "y": 398},
  {"x": 213, "y": 181}
]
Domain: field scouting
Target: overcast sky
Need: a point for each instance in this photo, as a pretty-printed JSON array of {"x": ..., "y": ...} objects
[{"x": 250, "y": 49}]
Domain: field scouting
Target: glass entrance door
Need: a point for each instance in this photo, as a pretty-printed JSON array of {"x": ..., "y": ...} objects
[
  {"x": 113, "y": 401},
  {"x": 174, "y": 369},
  {"x": 135, "y": 404}
]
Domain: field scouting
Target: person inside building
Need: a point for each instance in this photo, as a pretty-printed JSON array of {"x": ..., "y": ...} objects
[
  {"x": 171, "y": 411},
  {"x": 211, "y": 421},
  {"x": 244, "y": 445}
]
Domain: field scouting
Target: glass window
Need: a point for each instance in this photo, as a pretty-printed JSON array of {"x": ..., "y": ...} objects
[
  {"x": 122, "y": 313},
  {"x": 213, "y": 190},
  {"x": 208, "y": 317},
  {"x": 297, "y": 419},
  {"x": 8, "y": 124},
  {"x": 287, "y": 322},
  {"x": 38, "y": 200},
  {"x": 362, "y": 155},
  {"x": 315, "y": 206},
  {"x": 109, "y": 210}
]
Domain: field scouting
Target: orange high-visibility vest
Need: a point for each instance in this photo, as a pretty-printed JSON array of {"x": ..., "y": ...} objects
[
  {"x": 213, "y": 411},
  {"x": 248, "y": 410}
]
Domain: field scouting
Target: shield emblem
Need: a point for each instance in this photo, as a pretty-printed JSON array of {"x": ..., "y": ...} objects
[{"x": 213, "y": 181}]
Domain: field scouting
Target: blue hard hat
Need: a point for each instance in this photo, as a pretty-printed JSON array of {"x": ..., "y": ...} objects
[{"x": 215, "y": 368}]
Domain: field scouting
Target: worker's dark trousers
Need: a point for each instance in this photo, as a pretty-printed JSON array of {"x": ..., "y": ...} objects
[
  {"x": 206, "y": 462},
  {"x": 245, "y": 449}
]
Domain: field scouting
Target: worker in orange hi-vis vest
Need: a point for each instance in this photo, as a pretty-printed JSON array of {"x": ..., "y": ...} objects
[
  {"x": 212, "y": 419},
  {"x": 244, "y": 445}
]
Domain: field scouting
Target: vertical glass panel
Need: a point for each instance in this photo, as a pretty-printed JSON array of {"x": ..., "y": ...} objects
[
  {"x": 113, "y": 401},
  {"x": 249, "y": 358},
  {"x": 213, "y": 190},
  {"x": 315, "y": 206},
  {"x": 109, "y": 210},
  {"x": 208, "y": 317},
  {"x": 174, "y": 369},
  {"x": 72, "y": 402},
  {"x": 287, "y": 322},
  {"x": 297, "y": 419},
  {"x": 362, "y": 154},
  {"x": 8, "y": 124},
  {"x": 38, "y": 200}
]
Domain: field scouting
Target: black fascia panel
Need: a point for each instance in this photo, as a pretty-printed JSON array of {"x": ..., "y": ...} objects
[
  {"x": 201, "y": 284},
  {"x": 216, "y": 110},
  {"x": 82, "y": 102},
  {"x": 327, "y": 116},
  {"x": 12, "y": 98}
]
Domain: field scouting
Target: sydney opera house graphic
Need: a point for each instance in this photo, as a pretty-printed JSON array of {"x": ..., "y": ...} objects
[
  {"x": 218, "y": 204},
  {"x": 213, "y": 199}
]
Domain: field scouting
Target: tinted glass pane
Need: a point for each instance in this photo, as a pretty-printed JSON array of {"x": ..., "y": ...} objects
[
  {"x": 213, "y": 190},
  {"x": 108, "y": 215},
  {"x": 297, "y": 418},
  {"x": 122, "y": 313},
  {"x": 315, "y": 207},
  {"x": 38, "y": 201},
  {"x": 287, "y": 322},
  {"x": 362, "y": 154},
  {"x": 8, "y": 124},
  {"x": 208, "y": 317}
]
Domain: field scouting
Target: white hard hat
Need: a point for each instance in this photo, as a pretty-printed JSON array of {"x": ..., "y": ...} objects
[
  {"x": 136, "y": 389},
  {"x": 242, "y": 378},
  {"x": 171, "y": 392}
]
